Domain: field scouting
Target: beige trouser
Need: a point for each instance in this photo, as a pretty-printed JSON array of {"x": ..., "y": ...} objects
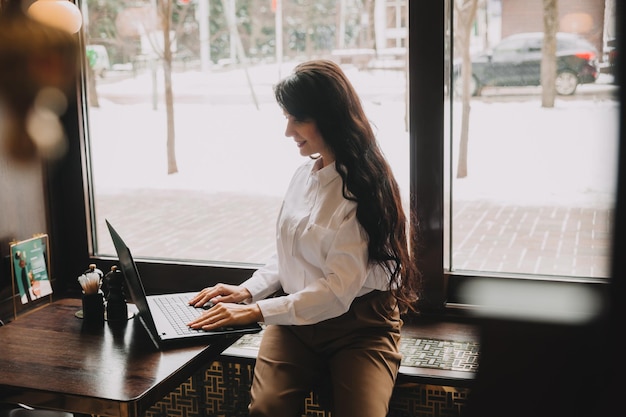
[{"x": 354, "y": 358}]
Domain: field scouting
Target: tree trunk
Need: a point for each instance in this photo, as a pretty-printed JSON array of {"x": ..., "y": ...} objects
[
  {"x": 166, "y": 15},
  {"x": 241, "y": 53},
  {"x": 92, "y": 92},
  {"x": 370, "y": 10},
  {"x": 466, "y": 13},
  {"x": 548, "y": 55}
]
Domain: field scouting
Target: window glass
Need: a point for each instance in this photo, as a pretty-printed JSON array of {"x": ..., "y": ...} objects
[
  {"x": 188, "y": 155},
  {"x": 532, "y": 167},
  {"x": 189, "y": 160}
]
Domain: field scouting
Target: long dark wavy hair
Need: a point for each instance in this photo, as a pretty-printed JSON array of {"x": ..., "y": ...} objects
[{"x": 319, "y": 90}]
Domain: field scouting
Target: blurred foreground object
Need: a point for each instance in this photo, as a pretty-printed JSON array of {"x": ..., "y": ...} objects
[
  {"x": 61, "y": 14},
  {"x": 38, "y": 69}
]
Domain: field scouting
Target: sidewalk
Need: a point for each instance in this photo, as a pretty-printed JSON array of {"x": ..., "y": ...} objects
[{"x": 487, "y": 237}]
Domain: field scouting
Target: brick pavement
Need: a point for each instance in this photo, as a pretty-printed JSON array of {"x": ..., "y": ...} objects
[
  {"x": 532, "y": 239},
  {"x": 227, "y": 227}
]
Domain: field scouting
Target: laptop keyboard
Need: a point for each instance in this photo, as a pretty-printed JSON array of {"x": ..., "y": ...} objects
[{"x": 179, "y": 313}]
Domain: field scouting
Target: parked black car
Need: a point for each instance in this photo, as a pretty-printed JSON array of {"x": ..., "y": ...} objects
[{"x": 516, "y": 61}]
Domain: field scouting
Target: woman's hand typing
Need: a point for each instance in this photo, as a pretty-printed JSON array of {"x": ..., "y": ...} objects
[
  {"x": 227, "y": 315},
  {"x": 226, "y": 310},
  {"x": 220, "y": 293}
]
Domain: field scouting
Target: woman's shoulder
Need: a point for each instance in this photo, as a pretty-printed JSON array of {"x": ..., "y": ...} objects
[
  {"x": 306, "y": 167},
  {"x": 312, "y": 168}
]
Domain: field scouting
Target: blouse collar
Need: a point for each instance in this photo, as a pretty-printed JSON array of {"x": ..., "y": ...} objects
[{"x": 326, "y": 174}]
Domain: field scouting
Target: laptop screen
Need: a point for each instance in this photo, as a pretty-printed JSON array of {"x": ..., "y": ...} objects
[
  {"x": 131, "y": 274},
  {"x": 151, "y": 314}
]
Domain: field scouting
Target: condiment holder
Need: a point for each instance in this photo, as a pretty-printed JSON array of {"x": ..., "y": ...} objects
[{"x": 92, "y": 296}]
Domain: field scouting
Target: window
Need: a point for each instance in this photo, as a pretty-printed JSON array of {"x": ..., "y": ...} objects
[
  {"x": 535, "y": 197},
  {"x": 532, "y": 189},
  {"x": 201, "y": 177}
]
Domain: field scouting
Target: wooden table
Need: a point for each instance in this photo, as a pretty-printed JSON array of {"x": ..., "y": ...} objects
[{"x": 50, "y": 359}]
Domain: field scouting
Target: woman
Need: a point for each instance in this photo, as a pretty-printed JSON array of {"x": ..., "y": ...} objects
[{"x": 332, "y": 294}]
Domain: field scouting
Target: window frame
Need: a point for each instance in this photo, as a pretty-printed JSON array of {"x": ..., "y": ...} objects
[{"x": 69, "y": 193}]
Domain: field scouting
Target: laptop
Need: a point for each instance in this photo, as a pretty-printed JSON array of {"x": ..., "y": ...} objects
[{"x": 165, "y": 316}]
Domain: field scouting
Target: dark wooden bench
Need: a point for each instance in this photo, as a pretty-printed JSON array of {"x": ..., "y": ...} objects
[
  {"x": 435, "y": 379},
  {"x": 435, "y": 353}
]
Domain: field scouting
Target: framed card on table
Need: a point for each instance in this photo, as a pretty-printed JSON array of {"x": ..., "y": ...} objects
[{"x": 30, "y": 270}]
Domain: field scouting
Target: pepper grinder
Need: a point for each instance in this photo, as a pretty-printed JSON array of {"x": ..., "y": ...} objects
[{"x": 116, "y": 308}]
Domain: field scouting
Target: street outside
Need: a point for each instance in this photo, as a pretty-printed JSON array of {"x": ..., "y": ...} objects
[{"x": 228, "y": 150}]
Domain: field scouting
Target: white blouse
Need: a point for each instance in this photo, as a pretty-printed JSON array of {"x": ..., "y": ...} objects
[{"x": 321, "y": 257}]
